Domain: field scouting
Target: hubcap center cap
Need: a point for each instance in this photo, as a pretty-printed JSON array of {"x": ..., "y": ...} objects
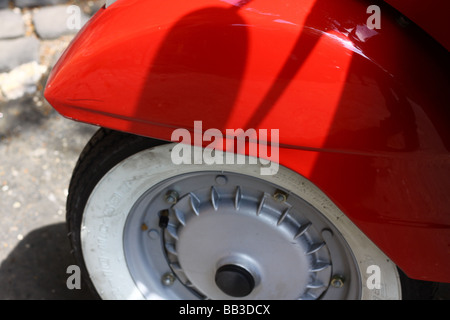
[{"x": 234, "y": 280}]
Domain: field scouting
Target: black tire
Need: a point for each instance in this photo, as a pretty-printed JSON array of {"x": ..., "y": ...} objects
[
  {"x": 417, "y": 289},
  {"x": 104, "y": 150}
]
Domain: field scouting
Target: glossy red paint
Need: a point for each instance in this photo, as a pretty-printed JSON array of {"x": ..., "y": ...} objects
[{"x": 362, "y": 113}]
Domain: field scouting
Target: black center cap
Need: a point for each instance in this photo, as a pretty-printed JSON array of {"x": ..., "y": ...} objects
[{"x": 235, "y": 281}]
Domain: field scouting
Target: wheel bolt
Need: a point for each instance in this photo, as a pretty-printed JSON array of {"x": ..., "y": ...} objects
[
  {"x": 280, "y": 196},
  {"x": 221, "y": 180},
  {"x": 153, "y": 234},
  {"x": 337, "y": 281},
  {"x": 168, "y": 279},
  {"x": 171, "y": 197}
]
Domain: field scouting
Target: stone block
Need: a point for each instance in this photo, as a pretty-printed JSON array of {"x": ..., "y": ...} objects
[
  {"x": 14, "y": 52},
  {"x": 37, "y": 3},
  {"x": 53, "y": 22},
  {"x": 11, "y": 24}
]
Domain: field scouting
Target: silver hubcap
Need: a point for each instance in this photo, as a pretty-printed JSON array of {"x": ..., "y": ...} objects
[{"x": 215, "y": 235}]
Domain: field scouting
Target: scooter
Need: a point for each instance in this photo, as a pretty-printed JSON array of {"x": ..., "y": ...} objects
[{"x": 260, "y": 149}]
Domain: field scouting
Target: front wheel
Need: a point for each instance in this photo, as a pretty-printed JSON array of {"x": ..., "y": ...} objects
[{"x": 145, "y": 228}]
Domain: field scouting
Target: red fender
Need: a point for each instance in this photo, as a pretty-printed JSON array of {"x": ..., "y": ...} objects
[{"x": 363, "y": 113}]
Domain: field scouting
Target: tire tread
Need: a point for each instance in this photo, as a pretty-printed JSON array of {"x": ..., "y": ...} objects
[{"x": 104, "y": 150}]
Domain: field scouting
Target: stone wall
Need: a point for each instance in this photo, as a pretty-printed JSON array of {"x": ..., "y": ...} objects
[{"x": 33, "y": 34}]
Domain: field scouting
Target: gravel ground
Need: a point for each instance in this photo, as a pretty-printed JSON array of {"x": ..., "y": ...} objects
[{"x": 38, "y": 149}]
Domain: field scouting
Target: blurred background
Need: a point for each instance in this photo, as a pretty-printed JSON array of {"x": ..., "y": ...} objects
[{"x": 38, "y": 149}]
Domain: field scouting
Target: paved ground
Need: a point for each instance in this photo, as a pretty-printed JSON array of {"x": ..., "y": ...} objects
[{"x": 38, "y": 150}]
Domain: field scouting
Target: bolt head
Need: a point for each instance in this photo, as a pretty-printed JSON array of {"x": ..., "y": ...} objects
[
  {"x": 221, "y": 180},
  {"x": 280, "y": 197},
  {"x": 168, "y": 279},
  {"x": 337, "y": 281},
  {"x": 171, "y": 197},
  {"x": 153, "y": 234}
]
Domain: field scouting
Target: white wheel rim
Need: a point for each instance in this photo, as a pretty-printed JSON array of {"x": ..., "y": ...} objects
[{"x": 113, "y": 198}]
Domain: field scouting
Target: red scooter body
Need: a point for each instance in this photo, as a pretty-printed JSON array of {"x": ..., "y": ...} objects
[{"x": 362, "y": 113}]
